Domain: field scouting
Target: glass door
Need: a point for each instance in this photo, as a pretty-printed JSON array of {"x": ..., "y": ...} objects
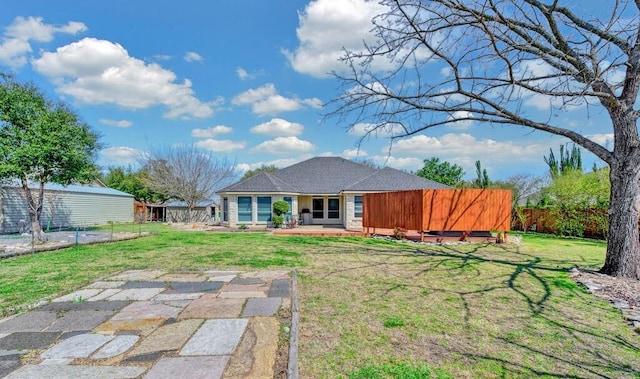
[{"x": 318, "y": 208}]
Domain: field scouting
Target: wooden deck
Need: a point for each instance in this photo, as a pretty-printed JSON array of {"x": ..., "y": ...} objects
[{"x": 337, "y": 231}]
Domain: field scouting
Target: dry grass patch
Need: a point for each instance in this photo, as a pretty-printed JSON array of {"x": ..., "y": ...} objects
[{"x": 467, "y": 311}]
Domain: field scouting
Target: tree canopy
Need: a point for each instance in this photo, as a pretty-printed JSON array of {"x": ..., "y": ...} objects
[
  {"x": 442, "y": 172},
  {"x": 126, "y": 180},
  {"x": 42, "y": 142},
  {"x": 263, "y": 168},
  {"x": 496, "y": 58}
]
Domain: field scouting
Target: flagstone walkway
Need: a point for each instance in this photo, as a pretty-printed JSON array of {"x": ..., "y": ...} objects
[{"x": 152, "y": 324}]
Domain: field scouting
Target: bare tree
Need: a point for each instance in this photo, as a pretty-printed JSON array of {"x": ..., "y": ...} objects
[
  {"x": 187, "y": 173},
  {"x": 498, "y": 57}
]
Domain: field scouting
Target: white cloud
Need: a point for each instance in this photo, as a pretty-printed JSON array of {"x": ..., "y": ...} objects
[
  {"x": 191, "y": 56},
  {"x": 326, "y": 28},
  {"x": 382, "y": 131},
  {"x": 102, "y": 72},
  {"x": 118, "y": 123},
  {"x": 242, "y": 73},
  {"x": 162, "y": 57},
  {"x": 16, "y": 40},
  {"x": 461, "y": 123},
  {"x": 278, "y": 127},
  {"x": 284, "y": 145},
  {"x": 265, "y": 101},
  {"x": 605, "y": 140},
  {"x": 400, "y": 163},
  {"x": 285, "y": 162},
  {"x": 353, "y": 153},
  {"x": 211, "y": 132},
  {"x": 122, "y": 155},
  {"x": 221, "y": 146}
]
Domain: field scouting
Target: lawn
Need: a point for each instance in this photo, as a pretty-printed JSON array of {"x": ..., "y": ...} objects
[{"x": 378, "y": 309}]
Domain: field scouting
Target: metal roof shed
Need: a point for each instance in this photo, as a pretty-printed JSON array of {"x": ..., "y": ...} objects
[{"x": 66, "y": 206}]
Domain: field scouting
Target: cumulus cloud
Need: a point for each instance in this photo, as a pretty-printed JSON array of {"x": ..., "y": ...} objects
[
  {"x": 118, "y": 123},
  {"x": 102, "y": 72},
  {"x": 122, "y": 155},
  {"x": 211, "y": 132},
  {"x": 604, "y": 139},
  {"x": 400, "y": 163},
  {"x": 284, "y": 162},
  {"x": 278, "y": 127},
  {"x": 16, "y": 41},
  {"x": 284, "y": 145},
  {"x": 242, "y": 73},
  {"x": 221, "y": 146},
  {"x": 353, "y": 153},
  {"x": 383, "y": 131},
  {"x": 462, "y": 120},
  {"x": 191, "y": 56},
  {"x": 326, "y": 28},
  {"x": 265, "y": 101}
]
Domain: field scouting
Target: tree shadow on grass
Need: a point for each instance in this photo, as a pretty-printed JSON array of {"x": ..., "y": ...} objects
[{"x": 531, "y": 278}]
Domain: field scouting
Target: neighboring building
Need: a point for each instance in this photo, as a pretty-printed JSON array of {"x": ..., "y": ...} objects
[
  {"x": 65, "y": 206},
  {"x": 178, "y": 211},
  {"x": 320, "y": 191}
]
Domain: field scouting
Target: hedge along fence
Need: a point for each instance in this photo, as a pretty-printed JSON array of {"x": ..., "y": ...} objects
[
  {"x": 589, "y": 222},
  {"x": 441, "y": 210}
]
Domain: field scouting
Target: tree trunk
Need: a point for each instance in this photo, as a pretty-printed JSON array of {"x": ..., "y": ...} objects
[
  {"x": 35, "y": 208},
  {"x": 623, "y": 247}
]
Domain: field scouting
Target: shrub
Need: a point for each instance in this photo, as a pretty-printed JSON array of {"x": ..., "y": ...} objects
[{"x": 277, "y": 221}]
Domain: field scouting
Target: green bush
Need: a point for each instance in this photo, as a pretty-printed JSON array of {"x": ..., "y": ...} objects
[
  {"x": 280, "y": 207},
  {"x": 277, "y": 221}
]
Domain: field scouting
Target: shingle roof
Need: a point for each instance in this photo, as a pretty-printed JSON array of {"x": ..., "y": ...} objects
[{"x": 330, "y": 176}]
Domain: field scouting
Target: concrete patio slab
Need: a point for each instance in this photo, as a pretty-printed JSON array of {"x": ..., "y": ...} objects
[
  {"x": 105, "y": 294},
  {"x": 209, "y": 308},
  {"x": 80, "y": 295},
  {"x": 247, "y": 281},
  {"x": 241, "y": 295},
  {"x": 100, "y": 305},
  {"x": 221, "y": 278},
  {"x": 186, "y": 287},
  {"x": 104, "y": 285},
  {"x": 279, "y": 274},
  {"x": 280, "y": 288},
  {"x": 80, "y": 346},
  {"x": 28, "y": 340},
  {"x": 178, "y": 296},
  {"x": 137, "y": 275},
  {"x": 147, "y": 310},
  {"x": 267, "y": 306},
  {"x": 80, "y": 320},
  {"x": 216, "y": 337},
  {"x": 76, "y": 372},
  {"x": 9, "y": 364},
  {"x": 245, "y": 288},
  {"x": 147, "y": 284},
  {"x": 142, "y": 327},
  {"x": 189, "y": 368},
  {"x": 183, "y": 277}
]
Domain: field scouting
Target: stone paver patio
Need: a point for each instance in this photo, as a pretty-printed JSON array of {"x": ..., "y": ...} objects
[{"x": 152, "y": 324}]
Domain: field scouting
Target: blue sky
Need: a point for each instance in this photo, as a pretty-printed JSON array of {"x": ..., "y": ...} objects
[{"x": 245, "y": 80}]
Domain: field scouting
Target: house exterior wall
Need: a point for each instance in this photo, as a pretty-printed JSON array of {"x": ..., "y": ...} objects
[
  {"x": 351, "y": 222},
  {"x": 232, "y": 216},
  {"x": 64, "y": 209}
]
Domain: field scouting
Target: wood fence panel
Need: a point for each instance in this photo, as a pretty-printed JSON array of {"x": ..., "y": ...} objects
[{"x": 439, "y": 210}]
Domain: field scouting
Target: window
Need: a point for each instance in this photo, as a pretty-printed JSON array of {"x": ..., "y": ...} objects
[
  {"x": 244, "y": 208},
  {"x": 264, "y": 208},
  {"x": 225, "y": 209},
  {"x": 287, "y": 216},
  {"x": 318, "y": 208},
  {"x": 334, "y": 208},
  {"x": 357, "y": 206}
]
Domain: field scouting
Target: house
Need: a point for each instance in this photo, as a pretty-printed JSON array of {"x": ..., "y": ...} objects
[
  {"x": 320, "y": 191},
  {"x": 64, "y": 207},
  {"x": 178, "y": 211}
]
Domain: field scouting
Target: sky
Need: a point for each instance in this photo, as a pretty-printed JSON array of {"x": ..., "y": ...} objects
[{"x": 244, "y": 80}]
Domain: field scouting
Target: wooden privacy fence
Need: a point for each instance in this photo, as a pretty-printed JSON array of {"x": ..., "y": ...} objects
[{"x": 441, "y": 210}]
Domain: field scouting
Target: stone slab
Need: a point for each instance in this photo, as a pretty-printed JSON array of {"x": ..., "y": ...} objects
[
  {"x": 136, "y": 294},
  {"x": 8, "y": 365},
  {"x": 57, "y": 361},
  {"x": 70, "y": 371},
  {"x": 178, "y": 296},
  {"x": 280, "y": 288},
  {"x": 267, "y": 306},
  {"x": 80, "y": 346},
  {"x": 255, "y": 356},
  {"x": 100, "y": 305},
  {"x": 118, "y": 345},
  {"x": 28, "y": 340},
  {"x": 105, "y": 294},
  {"x": 32, "y": 321},
  {"x": 277, "y": 274},
  {"x": 216, "y": 337},
  {"x": 147, "y": 284},
  {"x": 167, "y": 338},
  {"x": 208, "y": 308},
  {"x": 133, "y": 326},
  {"x": 104, "y": 285},
  {"x": 247, "y": 281},
  {"x": 147, "y": 310},
  {"x": 80, "y": 295},
  {"x": 137, "y": 275},
  {"x": 222, "y": 278},
  {"x": 144, "y": 358},
  {"x": 189, "y": 368},
  {"x": 241, "y": 295},
  {"x": 221, "y": 272},
  {"x": 183, "y": 277},
  {"x": 245, "y": 288},
  {"x": 80, "y": 320},
  {"x": 184, "y": 287}
]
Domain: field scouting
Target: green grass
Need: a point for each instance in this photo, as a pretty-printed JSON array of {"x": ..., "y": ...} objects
[{"x": 379, "y": 309}]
